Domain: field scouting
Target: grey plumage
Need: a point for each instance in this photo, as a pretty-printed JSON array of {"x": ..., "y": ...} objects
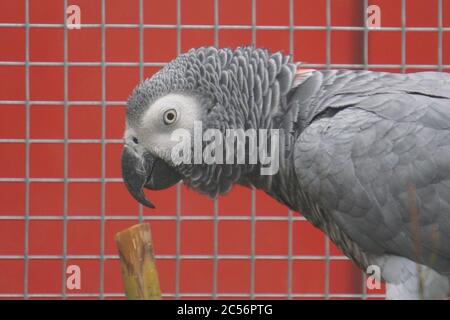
[
  {"x": 391, "y": 134},
  {"x": 357, "y": 148}
]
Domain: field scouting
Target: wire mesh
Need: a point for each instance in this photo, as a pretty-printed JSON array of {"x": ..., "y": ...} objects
[{"x": 291, "y": 27}]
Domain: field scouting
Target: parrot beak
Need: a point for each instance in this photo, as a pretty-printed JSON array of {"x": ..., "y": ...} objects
[{"x": 146, "y": 171}]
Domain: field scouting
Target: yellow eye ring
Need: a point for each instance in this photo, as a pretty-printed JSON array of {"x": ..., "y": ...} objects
[{"x": 170, "y": 116}]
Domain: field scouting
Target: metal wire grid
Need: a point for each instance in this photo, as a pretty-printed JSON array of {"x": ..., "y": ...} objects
[{"x": 103, "y": 104}]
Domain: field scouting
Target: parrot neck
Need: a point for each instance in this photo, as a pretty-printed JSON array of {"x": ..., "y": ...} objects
[
  {"x": 281, "y": 184},
  {"x": 285, "y": 188}
]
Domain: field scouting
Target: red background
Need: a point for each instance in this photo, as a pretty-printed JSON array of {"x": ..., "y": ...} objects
[{"x": 46, "y": 83}]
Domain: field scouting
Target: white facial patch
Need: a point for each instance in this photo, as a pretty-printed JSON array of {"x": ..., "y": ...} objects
[{"x": 167, "y": 114}]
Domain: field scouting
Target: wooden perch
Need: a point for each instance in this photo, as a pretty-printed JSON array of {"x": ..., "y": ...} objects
[{"x": 137, "y": 261}]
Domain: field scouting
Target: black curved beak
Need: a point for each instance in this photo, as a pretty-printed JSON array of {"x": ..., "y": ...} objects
[{"x": 146, "y": 171}]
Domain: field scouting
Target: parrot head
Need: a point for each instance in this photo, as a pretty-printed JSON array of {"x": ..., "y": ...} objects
[{"x": 220, "y": 89}]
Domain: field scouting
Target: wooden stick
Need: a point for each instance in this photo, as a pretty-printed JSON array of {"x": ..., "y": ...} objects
[{"x": 137, "y": 261}]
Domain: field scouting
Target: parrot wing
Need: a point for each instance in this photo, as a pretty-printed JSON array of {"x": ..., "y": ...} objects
[{"x": 378, "y": 164}]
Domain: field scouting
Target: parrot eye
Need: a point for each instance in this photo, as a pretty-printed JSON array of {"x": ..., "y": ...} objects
[
  {"x": 170, "y": 116},
  {"x": 135, "y": 140}
]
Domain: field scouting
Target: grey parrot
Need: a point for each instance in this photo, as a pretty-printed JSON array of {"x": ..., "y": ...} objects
[{"x": 364, "y": 156}]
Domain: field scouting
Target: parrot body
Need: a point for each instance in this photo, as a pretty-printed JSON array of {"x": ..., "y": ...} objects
[{"x": 364, "y": 156}]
